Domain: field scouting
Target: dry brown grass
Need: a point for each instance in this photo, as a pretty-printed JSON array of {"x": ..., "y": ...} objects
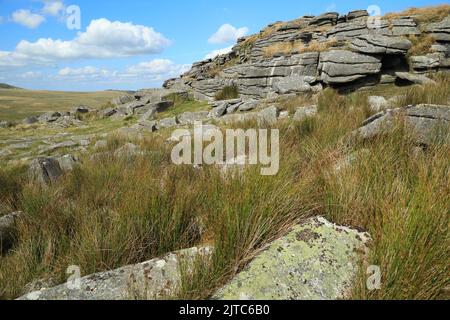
[
  {"x": 286, "y": 48},
  {"x": 424, "y": 14},
  {"x": 421, "y": 44}
]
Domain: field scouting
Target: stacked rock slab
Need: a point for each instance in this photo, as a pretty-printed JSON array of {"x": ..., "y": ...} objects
[{"x": 348, "y": 51}]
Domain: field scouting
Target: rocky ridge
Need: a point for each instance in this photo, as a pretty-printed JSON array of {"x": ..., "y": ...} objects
[{"x": 350, "y": 51}]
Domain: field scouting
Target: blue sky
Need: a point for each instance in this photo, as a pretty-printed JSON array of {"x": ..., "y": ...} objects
[{"x": 135, "y": 43}]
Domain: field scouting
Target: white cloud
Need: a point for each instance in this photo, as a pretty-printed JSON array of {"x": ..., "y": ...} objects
[
  {"x": 102, "y": 39},
  {"x": 31, "y": 75},
  {"x": 218, "y": 52},
  {"x": 53, "y": 7},
  {"x": 154, "y": 70},
  {"x": 27, "y": 18},
  {"x": 1, "y": 19},
  {"x": 227, "y": 33},
  {"x": 88, "y": 70},
  {"x": 158, "y": 66}
]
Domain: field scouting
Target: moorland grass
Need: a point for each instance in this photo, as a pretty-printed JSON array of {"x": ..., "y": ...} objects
[{"x": 112, "y": 212}]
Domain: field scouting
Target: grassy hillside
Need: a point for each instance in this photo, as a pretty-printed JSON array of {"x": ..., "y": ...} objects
[
  {"x": 130, "y": 211},
  {"x": 7, "y": 86},
  {"x": 16, "y": 104}
]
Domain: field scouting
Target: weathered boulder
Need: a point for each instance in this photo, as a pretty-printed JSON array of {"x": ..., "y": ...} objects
[
  {"x": 127, "y": 150},
  {"x": 426, "y": 123},
  {"x": 100, "y": 144},
  {"x": 357, "y": 14},
  {"x": 49, "y": 117},
  {"x": 379, "y": 44},
  {"x": 268, "y": 116},
  {"x": 5, "y": 124},
  {"x": 108, "y": 112},
  {"x": 329, "y": 18},
  {"x": 317, "y": 260},
  {"x": 414, "y": 78},
  {"x": 248, "y": 105},
  {"x": 8, "y": 230},
  {"x": 168, "y": 123},
  {"x": 146, "y": 125},
  {"x": 44, "y": 170},
  {"x": 378, "y": 103},
  {"x": 123, "y": 100},
  {"x": 342, "y": 66},
  {"x": 82, "y": 110},
  {"x": 305, "y": 112},
  {"x": 191, "y": 117},
  {"x": 30, "y": 120},
  {"x": 151, "y": 280},
  {"x": 67, "y": 162},
  {"x": 296, "y": 84}
]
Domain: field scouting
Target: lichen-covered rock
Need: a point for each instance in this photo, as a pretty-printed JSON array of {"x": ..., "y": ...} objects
[
  {"x": 154, "y": 279},
  {"x": 317, "y": 260},
  {"x": 67, "y": 162}
]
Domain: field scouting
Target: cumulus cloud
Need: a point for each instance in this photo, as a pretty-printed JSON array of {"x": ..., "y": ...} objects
[
  {"x": 27, "y": 18},
  {"x": 53, "y": 7},
  {"x": 227, "y": 33},
  {"x": 154, "y": 70},
  {"x": 102, "y": 39},
  {"x": 218, "y": 52},
  {"x": 158, "y": 67}
]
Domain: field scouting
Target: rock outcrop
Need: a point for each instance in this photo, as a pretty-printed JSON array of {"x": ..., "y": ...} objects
[
  {"x": 317, "y": 260},
  {"x": 327, "y": 50}
]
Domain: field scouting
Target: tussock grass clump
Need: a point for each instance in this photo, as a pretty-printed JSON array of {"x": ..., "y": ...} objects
[
  {"x": 421, "y": 44},
  {"x": 228, "y": 92},
  {"x": 423, "y": 15}
]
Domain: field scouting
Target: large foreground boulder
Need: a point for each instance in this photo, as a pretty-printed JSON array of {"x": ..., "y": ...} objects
[
  {"x": 426, "y": 123},
  {"x": 154, "y": 279},
  {"x": 316, "y": 260}
]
